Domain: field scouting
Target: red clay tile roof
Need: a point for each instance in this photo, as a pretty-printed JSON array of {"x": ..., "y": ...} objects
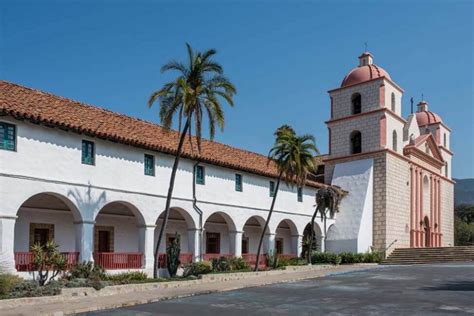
[{"x": 53, "y": 111}]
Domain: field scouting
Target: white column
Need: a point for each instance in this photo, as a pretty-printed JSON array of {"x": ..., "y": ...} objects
[
  {"x": 146, "y": 246},
  {"x": 236, "y": 243},
  {"x": 7, "y": 237},
  {"x": 322, "y": 243},
  {"x": 85, "y": 240},
  {"x": 194, "y": 243},
  {"x": 297, "y": 242},
  {"x": 269, "y": 243}
]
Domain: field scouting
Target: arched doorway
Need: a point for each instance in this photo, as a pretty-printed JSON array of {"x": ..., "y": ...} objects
[
  {"x": 216, "y": 236},
  {"x": 41, "y": 218},
  {"x": 286, "y": 239},
  {"x": 317, "y": 239},
  {"x": 116, "y": 237},
  {"x": 252, "y": 232},
  {"x": 181, "y": 223},
  {"x": 427, "y": 230}
]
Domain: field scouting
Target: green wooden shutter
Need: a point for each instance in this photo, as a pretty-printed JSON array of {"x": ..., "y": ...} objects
[
  {"x": 149, "y": 165},
  {"x": 7, "y": 136},
  {"x": 88, "y": 152},
  {"x": 238, "y": 182}
]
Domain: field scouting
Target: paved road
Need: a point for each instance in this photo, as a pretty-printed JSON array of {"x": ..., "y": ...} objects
[{"x": 392, "y": 290}]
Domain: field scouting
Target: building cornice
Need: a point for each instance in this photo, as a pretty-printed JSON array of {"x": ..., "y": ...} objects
[
  {"x": 356, "y": 116},
  {"x": 364, "y": 82}
]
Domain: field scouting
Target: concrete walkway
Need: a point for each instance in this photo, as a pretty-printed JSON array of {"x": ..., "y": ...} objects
[{"x": 142, "y": 294}]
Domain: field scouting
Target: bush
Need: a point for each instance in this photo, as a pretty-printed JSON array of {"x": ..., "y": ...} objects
[
  {"x": 127, "y": 277},
  {"x": 238, "y": 264},
  {"x": 272, "y": 260},
  {"x": 297, "y": 262},
  {"x": 87, "y": 270},
  {"x": 197, "y": 268},
  {"x": 220, "y": 264},
  {"x": 32, "y": 289},
  {"x": 325, "y": 257},
  {"x": 350, "y": 257},
  {"x": 47, "y": 259},
  {"x": 372, "y": 257},
  {"x": 7, "y": 281}
]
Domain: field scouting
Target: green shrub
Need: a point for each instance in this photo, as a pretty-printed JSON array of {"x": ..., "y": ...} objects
[
  {"x": 325, "y": 257},
  {"x": 172, "y": 256},
  {"x": 32, "y": 289},
  {"x": 221, "y": 264},
  {"x": 297, "y": 262},
  {"x": 372, "y": 257},
  {"x": 87, "y": 270},
  {"x": 127, "y": 277},
  {"x": 350, "y": 257},
  {"x": 7, "y": 281},
  {"x": 238, "y": 264},
  {"x": 272, "y": 259},
  {"x": 197, "y": 268}
]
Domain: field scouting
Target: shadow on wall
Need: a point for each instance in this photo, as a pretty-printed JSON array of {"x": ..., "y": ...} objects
[{"x": 86, "y": 203}]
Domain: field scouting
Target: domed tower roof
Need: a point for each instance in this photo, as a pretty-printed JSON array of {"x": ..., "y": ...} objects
[
  {"x": 366, "y": 71},
  {"x": 425, "y": 117}
]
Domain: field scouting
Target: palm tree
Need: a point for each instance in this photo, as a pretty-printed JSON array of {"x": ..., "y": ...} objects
[
  {"x": 294, "y": 158},
  {"x": 327, "y": 205},
  {"x": 198, "y": 90}
]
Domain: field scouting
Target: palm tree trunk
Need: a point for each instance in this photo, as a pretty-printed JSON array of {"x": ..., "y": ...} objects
[
  {"x": 267, "y": 222},
  {"x": 310, "y": 247},
  {"x": 325, "y": 233},
  {"x": 170, "y": 194}
]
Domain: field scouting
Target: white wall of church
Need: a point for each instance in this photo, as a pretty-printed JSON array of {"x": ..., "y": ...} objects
[{"x": 126, "y": 237}]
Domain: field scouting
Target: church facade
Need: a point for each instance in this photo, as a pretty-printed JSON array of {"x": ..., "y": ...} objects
[
  {"x": 397, "y": 171},
  {"x": 95, "y": 182}
]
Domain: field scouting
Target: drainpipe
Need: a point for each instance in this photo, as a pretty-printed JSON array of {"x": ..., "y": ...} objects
[{"x": 198, "y": 210}]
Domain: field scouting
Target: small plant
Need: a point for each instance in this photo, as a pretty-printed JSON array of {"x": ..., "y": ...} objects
[
  {"x": 87, "y": 270},
  {"x": 7, "y": 281},
  {"x": 221, "y": 264},
  {"x": 127, "y": 277},
  {"x": 32, "y": 289},
  {"x": 238, "y": 264},
  {"x": 47, "y": 259},
  {"x": 197, "y": 268},
  {"x": 325, "y": 257},
  {"x": 172, "y": 256},
  {"x": 272, "y": 259}
]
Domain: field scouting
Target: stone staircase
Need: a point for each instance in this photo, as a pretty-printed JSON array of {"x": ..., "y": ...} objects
[{"x": 430, "y": 255}]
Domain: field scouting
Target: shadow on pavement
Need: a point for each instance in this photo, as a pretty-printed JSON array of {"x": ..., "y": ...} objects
[{"x": 452, "y": 286}]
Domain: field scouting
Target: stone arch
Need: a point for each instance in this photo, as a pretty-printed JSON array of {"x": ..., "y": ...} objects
[
  {"x": 356, "y": 142},
  {"x": 180, "y": 222},
  {"x": 43, "y": 217},
  {"x": 219, "y": 230},
  {"x": 317, "y": 240},
  {"x": 286, "y": 238},
  {"x": 252, "y": 231},
  {"x": 123, "y": 208},
  {"x": 356, "y": 103}
]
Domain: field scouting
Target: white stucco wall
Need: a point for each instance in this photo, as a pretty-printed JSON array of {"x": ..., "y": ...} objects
[
  {"x": 48, "y": 160},
  {"x": 353, "y": 228}
]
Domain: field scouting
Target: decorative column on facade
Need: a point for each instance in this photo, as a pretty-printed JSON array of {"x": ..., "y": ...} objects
[
  {"x": 440, "y": 234},
  {"x": 432, "y": 212},
  {"x": 412, "y": 205},
  {"x": 436, "y": 220},
  {"x": 420, "y": 212},
  {"x": 417, "y": 206},
  {"x": 236, "y": 243},
  {"x": 146, "y": 246},
  {"x": 297, "y": 242},
  {"x": 7, "y": 250},
  {"x": 194, "y": 243},
  {"x": 85, "y": 240}
]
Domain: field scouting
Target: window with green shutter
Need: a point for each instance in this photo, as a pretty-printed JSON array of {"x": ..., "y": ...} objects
[
  {"x": 88, "y": 152},
  {"x": 200, "y": 175},
  {"x": 300, "y": 194},
  {"x": 149, "y": 165},
  {"x": 272, "y": 188},
  {"x": 7, "y": 136},
  {"x": 238, "y": 182}
]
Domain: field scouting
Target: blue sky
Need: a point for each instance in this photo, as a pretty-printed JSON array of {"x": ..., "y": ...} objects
[{"x": 282, "y": 56}]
